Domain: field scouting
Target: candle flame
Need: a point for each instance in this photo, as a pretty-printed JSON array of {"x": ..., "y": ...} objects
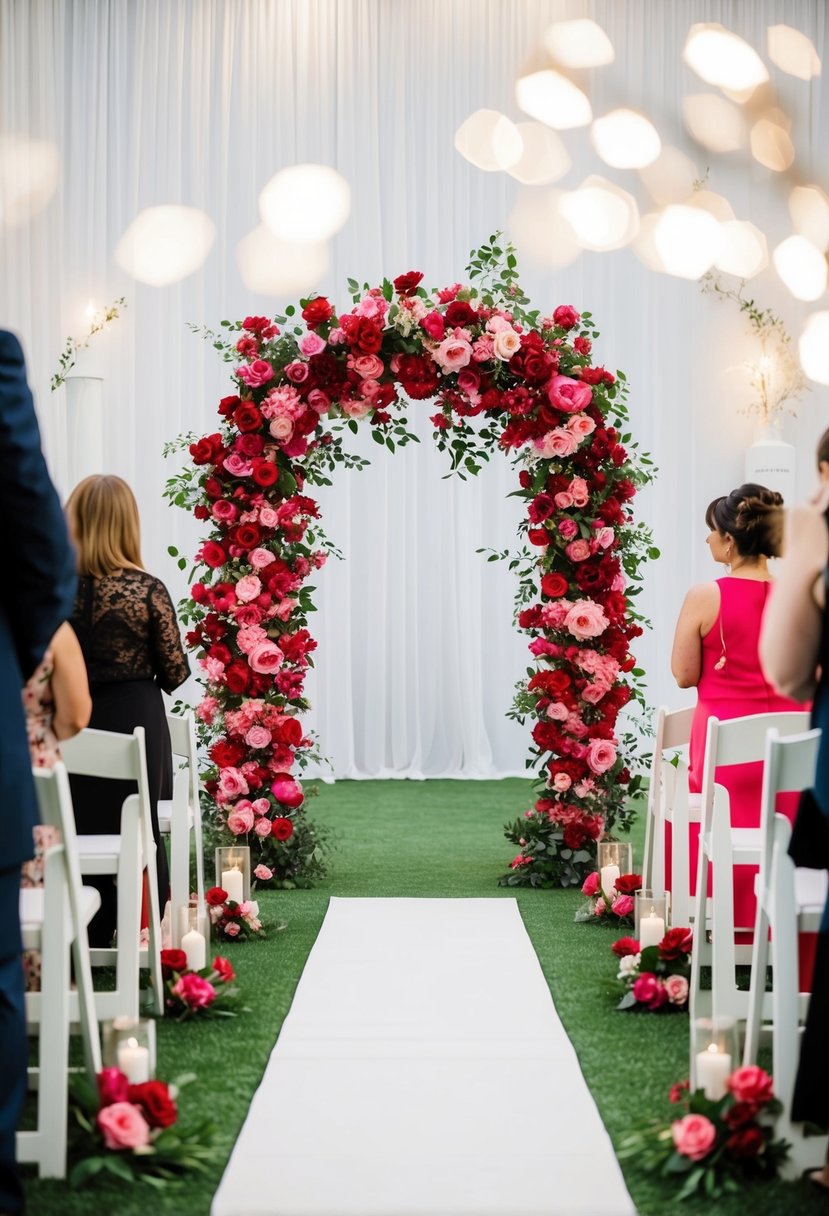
[
  {"x": 132, "y": 1042},
  {"x": 713, "y": 1048}
]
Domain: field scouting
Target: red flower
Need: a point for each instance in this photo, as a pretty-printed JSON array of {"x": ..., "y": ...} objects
[
  {"x": 212, "y": 554},
  {"x": 539, "y": 536},
  {"x": 237, "y": 676},
  {"x": 265, "y": 472},
  {"x": 746, "y": 1143},
  {"x": 206, "y": 450},
  {"x": 227, "y": 754},
  {"x": 216, "y": 896},
  {"x": 317, "y": 312},
  {"x": 263, "y": 326},
  {"x": 287, "y": 790},
  {"x": 751, "y": 1084},
  {"x": 554, "y": 586},
  {"x": 289, "y": 731},
  {"x": 157, "y": 1107},
  {"x": 460, "y": 312},
  {"x": 675, "y": 943},
  {"x": 628, "y": 884},
  {"x": 625, "y": 946},
  {"x": 678, "y": 1091},
  {"x": 406, "y": 284},
  {"x": 282, "y": 828},
  {"x": 224, "y": 970},
  {"x": 227, "y": 405},
  {"x": 247, "y": 417},
  {"x": 566, "y": 317},
  {"x": 246, "y": 536},
  {"x": 740, "y": 1114},
  {"x": 649, "y": 990},
  {"x": 418, "y": 376},
  {"x": 173, "y": 960},
  {"x": 112, "y": 1086}
]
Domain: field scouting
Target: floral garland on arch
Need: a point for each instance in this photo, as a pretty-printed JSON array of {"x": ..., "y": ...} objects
[{"x": 501, "y": 377}]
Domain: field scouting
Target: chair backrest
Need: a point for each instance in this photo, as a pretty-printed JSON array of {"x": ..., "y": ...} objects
[
  {"x": 742, "y": 741},
  {"x": 104, "y": 753},
  {"x": 54, "y": 802},
  {"x": 789, "y": 768},
  {"x": 183, "y": 742},
  {"x": 672, "y": 730}
]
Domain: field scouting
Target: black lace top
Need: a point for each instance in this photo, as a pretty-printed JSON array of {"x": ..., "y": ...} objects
[{"x": 127, "y": 628}]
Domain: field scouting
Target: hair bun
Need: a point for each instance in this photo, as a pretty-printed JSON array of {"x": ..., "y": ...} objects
[{"x": 752, "y": 515}]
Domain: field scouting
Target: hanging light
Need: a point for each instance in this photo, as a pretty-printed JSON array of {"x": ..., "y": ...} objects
[
  {"x": 771, "y": 144},
  {"x": 715, "y": 204},
  {"x": 270, "y": 266},
  {"x": 644, "y": 246},
  {"x": 488, "y": 140},
  {"x": 578, "y": 44},
  {"x": 602, "y": 215},
  {"x": 802, "y": 267},
  {"x": 688, "y": 240},
  {"x": 809, "y": 209},
  {"x": 813, "y": 348},
  {"x": 745, "y": 251},
  {"x": 29, "y": 173},
  {"x": 715, "y": 123},
  {"x": 793, "y": 52},
  {"x": 165, "y": 244},
  {"x": 540, "y": 232},
  {"x": 544, "y": 158},
  {"x": 721, "y": 58},
  {"x": 671, "y": 177},
  {"x": 553, "y": 98},
  {"x": 306, "y": 203},
  {"x": 625, "y": 139}
]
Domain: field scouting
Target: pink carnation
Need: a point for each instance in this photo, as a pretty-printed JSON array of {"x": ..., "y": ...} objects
[{"x": 206, "y": 709}]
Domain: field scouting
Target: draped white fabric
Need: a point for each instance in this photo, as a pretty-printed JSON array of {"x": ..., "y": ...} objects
[{"x": 198, "y": 102}]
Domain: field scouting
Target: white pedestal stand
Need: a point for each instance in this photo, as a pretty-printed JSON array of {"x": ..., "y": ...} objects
[{"x": 770, "y": 462}]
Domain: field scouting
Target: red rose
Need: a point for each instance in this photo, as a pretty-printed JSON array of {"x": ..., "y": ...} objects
[
  {"x": 554, "y": 586},
  {"x": 406, "y": 284},
  {"x": 212, "y": 554},
  {"x": 216, "y": 896},
  {"x": 740, "y": 1114},
  {"x": 224, "y": 970},
  {"x": 538, "y": 536},
  {"x": 675, "y": 943},
  {"x": 205, "y": 450},
  {"x": 566, "y": 317},
  {"x": 317, "y": 312},
  {"x": 246, "y": 536},
  {"x": 112, "y": 1086},
  {"x": 173, "y": 960},
  {"x": 227, "y": 754},
  {"x": 541, "y": 508},
  {"x": 746, "y": 1143},
  {"x": 237, "y": 676},
  {"x": 227, "y": 405},
  {"x": 625, "y": 946},
  {"x": 247, "y": 417},
  {"x": 460, "y": 312},
  {"x": 628, "y": 884},
  {"x": 157, "y": 1107},
  {"x": 751, "y": 1084},
  {"x": 265, "y": 472},
  {"x": 282, "y": 828},
  {"x": 366, "y": 336}
]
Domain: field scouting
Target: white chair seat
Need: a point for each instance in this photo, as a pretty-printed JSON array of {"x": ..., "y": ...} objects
[
  {"x": 746, "y": 846},
  {"x": 99, "y": 854},
  {"x": 810, "y": 891},
  {"x": 32, "y": 904},
  {"x": 165, "y": 815}
]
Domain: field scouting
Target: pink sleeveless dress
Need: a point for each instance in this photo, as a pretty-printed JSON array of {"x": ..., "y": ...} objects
[{"x": 733, "y": 689}]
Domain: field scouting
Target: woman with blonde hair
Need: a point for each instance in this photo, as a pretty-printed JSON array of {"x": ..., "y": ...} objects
[{"x": 127, "y": 628}]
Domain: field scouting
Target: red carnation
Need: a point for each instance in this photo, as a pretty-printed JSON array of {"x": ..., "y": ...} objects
[
  {"x": 282, "y": 828},
  {"x": 406, "y": 284},
  {"x": 317, "y": 312}
]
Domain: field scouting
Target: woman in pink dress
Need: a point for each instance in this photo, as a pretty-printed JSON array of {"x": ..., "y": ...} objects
[{"x": 716, "y": 651}]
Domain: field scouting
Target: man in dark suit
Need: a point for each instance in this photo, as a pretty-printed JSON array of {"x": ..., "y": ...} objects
[{"x": 36, "y": 596}]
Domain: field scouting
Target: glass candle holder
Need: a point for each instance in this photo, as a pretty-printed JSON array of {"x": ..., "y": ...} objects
[
  {"x": 129, "y": 1045},
  {"x": 194, "y": 937},
  {"x": 715, "y": 1055},
  {"x": 612, "y": 860},
  {"x": 650, "y": 917},
  {"x": 233, "y": 872}
]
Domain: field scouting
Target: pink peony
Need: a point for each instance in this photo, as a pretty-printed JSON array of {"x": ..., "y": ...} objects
[
  {"x": 601, "y": 755},
  {"x": 586, "y": 619},
  {"x": 123, "y": 1126},
  {"x": 590, "y": 886},
  {"x": 287, "y": 790},
  {"x": 568, "y": 394},
  {"x": 694, "y": 1136},
  {"x": 265, "y": 658},
  {"x": 676, "y": 988},
  {"x": 194, "y": 991},
  {"x": 240, "y": 822}
]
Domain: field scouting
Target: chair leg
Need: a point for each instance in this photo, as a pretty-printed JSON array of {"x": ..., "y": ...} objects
[
  {"x": 759, "y": 969},
  {"x": 53, "y": 1097},
  {"x": 785, "y": 996}
]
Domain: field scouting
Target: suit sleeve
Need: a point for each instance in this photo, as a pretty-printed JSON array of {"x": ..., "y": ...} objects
[{"x": 38, "y": 587}]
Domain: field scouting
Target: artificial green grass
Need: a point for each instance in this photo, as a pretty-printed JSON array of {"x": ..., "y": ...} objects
[{"x": 428, "y": 839}]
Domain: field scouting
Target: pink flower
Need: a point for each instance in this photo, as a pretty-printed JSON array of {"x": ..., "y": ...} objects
[
  {"x": 751, "y": 1084},
  {"x": 561, "y": 782},
  {"x": 568, "y": 394},
  {"x": 194, "y": 991},
  {"x": 236, "y": 466},
  {"x": 622, "y": 905},
  {"x": 231, "y": 784},
  {"x": 356, "y": 407},
  {"x": 266, "y": 658},
  {"x": 558, "y": 442},
  {"x": 648, "y": 988},
  {"x": 453, "y": 354},
  {"x": 248, "y": 588},
  {"x": 586, "y": 619},
  {"x": 268, "y": 518},
  {"x": 112, "y": 1086},
  {"x": 566, "y": 316},
  {"x": 231, "y": 929},
  {"x": 223, "y": 510},
  {"x": 605, "y": 537},
  {"x": 563, "y": 500},
  {"x": 505, "y": 344},
  {"x": 123, "y": 1126},
  {"x": 206, "y": 709},
  {"x": 580, "y": 425},
  {"x": 568, "y": 528},
  {"x": 263, "y": 873},
  {"x": 240, "y": 822},
  {"x": 262, "y": 827},
  {"x": 579, "y": 491},
  {"x": 298, "y": 372},
  {"x": 312, "y": 344},
  {"x": 676, "y": 988},
  {"x": 434, "y": 325},
  {"x": 255, "y": 374},
  {"x": 583, "y": 787},
  {"x": 287, "y": 790},
  {"x": 260, "y": 558},
  {"x": 367, "y": 367},
  {"x": 578, "y": 551},
  {"x": 281, "y": 428},
  {"x": 590, "y": 886},
  {"x": 261, "y": 806},
  {"x": 258, "y": 736},
  {"x": 694, "y": 1136},
  {"x": 319, "y": 401},
  {"x": 601, "y": 755}
]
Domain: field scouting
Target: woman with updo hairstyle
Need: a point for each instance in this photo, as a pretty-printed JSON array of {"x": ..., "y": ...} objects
[
  {"x": 716, "y": 651},
  {"x": 129, "y": 635}
]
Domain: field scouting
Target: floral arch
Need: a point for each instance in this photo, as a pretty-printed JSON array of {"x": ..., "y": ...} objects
[{"x": 500, "y": 377}]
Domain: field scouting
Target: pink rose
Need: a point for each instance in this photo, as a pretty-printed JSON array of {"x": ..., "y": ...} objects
[
  {"x": 255, "y": 374},
  {"x": 605, "y": 537},
  {"x": 194, "y": 991},
  {"x": 260, "y": 558},
  {"x": 434, "y": 326},
  {"x": 505, "y": 344},
  {"x": 298, "y": 372},
  {"x": 266, "y": 658},
  {"x": 356, "y": 408},
  {"x": 580, "y": 425},
  {"x": 367, "y": 367},
  {"x": 559, "y": 442},
  {"x": 262, "y": 827},
  {"x": 263, "y": 873},
  {"x": 648, "y": 990},
  {"x": 453, "y": 354},
  {"x": 590, "y": 886},
  {"x": 261, "y": 806},
  {"x": 586, "y": 619},
  {"x": 312, "y": 344},
  {"x": 751, "y": 1084},
  {"x": 248, "y": 588},
  {"x": 258, "y": 736},
  {"x": 268, "y": 518},
  {"x": 281, "y": 428},
  {"x": 319, "y": 401},
  {"x": 563, "y": 500},
  {"x": 236, "y": 466},
  {"x": 123, "y": 1126},
  {"x": 568, "y": 394},
  {"x": 469, "y": 381},
  {"x": 601, "y": 755},
  {"x": 231, "y": 784},
  {"x": 224, "y": 511},
  {"x": 578, "y": 551},
  {"x": 579, "y": 491},
  {"x": 240, "y": 822},
  {"x": 694, "y": 1136},
  {"x": 622, "y": 905},
  {"x": 561, "y": 782},
  {"x": 676, "y": 988}
]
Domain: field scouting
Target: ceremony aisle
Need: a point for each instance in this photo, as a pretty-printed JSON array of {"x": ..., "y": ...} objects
[{"x": 437, "y": 839}]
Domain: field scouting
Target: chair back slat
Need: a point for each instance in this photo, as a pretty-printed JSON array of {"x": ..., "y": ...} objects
[
  {"x": 676, "y": 730},
  {"x": 103, "y": 753}
]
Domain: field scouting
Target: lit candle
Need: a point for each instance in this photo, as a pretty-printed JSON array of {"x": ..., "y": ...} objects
[
  {"x": 233, "y": 884},
  {"x": 608, "y": 877},
  {"x": 713, "y": 1070},
  {"x": 134, "y": 1062},
  {"x": 651, "y": 930},
  {"x": 195, "y": 947}
]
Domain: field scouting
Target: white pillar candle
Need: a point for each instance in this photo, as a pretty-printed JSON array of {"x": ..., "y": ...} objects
[
  {"x": 713, "y": 1070},
  {"x": 232, "y": 883},
  {"x": 651, "y": 930},
  {"x": 134, "y": 1062},
  {"x": 608, "y": 877},
  {"x": 195, "y": 947}
]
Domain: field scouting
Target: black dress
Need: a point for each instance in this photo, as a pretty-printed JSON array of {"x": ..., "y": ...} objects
[{"x": 127, "y": 628}]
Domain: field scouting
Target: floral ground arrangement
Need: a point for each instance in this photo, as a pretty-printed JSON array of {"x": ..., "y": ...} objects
[
  {"x": 498, "y": 376},
  {"x": 656, "y": 978}
]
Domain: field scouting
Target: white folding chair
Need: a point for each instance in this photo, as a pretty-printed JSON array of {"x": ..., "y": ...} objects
[
  {"x": 789, "y": 901},
  {"x": 670, "y": 802},
  {"x": 54, "y": 920},
  {"x": 180, "y": 816},
  {"x": 105, "y": 754},
  {"x": 721, "y": 848}
]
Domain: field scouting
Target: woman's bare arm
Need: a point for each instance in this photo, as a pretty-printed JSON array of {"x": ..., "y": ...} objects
[
  {"x": 697, "y": 615},
  {"x": 70, "y": 686}
]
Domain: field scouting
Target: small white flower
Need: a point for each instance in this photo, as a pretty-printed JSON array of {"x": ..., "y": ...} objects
[{"x": 628, "y": 966}]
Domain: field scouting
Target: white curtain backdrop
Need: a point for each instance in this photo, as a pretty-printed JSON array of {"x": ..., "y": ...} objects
[{"x": 199, "y": 102}]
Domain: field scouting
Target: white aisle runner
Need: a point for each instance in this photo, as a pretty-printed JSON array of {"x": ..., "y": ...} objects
[{"x": 423, "y": 1071}]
